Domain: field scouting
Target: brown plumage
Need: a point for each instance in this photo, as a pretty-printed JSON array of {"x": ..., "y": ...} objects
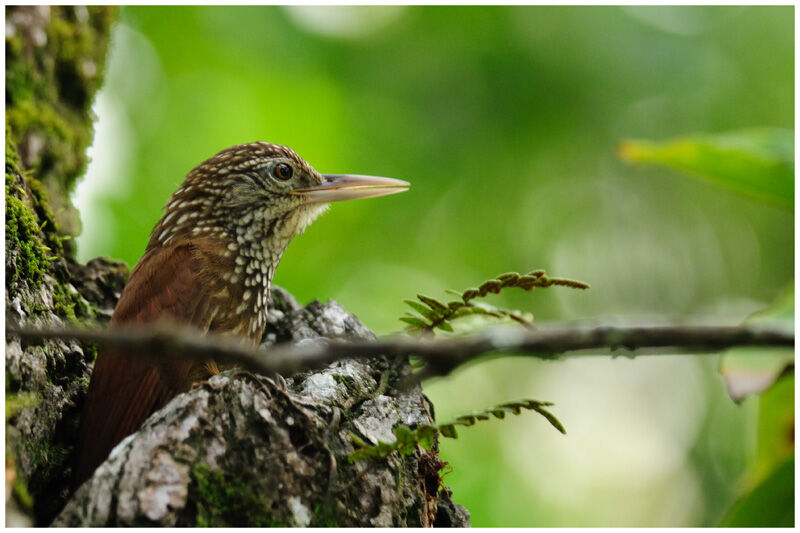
[{"x": 209, "y": 264}]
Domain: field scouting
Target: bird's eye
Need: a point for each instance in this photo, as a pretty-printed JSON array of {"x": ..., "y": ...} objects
[{"x": 282, "y": 171}]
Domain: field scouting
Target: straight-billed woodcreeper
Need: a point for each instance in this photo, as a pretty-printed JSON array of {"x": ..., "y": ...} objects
[{"x": 209, "y": 264}]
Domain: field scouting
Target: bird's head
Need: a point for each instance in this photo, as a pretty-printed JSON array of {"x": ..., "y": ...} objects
[{"x": 253, "y": 190}]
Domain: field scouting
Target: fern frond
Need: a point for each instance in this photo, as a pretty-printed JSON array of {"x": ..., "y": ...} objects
[
  {"x": 499, "y": 411},
  {"x": 434, "y": 314},
  {"x": 406, "y": 439}
]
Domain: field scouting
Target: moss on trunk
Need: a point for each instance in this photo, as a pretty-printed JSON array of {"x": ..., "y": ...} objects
[{"x": 54, "y": 65}]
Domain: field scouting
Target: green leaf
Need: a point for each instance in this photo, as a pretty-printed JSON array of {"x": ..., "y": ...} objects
[
  {"x": 514, "y": 407},
  {"x": 770, "y": 504},
  {"x": 365, "y": 451},
  {"x": 414, "y": 321},
  {"x": 449, "y": 431},
  {"x": 752, "y": 370},
  {"x": 433, "y": 303},
  {"x": 421, "y": 309},
  {"x": 455, "y": 306},
  {"x": 465, "y": 420},
  {"x": 426, "y": 436},
  {"x": 361, "y": 454},
  {"x": 493, "y": 286},
  {"x": 445, "y": 326},
  {"x": 469, "y": 294},
  {"x": 380, "y": 451},
  {"x": 463, "y": 311},
  {"x": 440, "y": 315},
  {"x": 775, "y": 428},
  {"x": 487, "y": 310},
  {"x": 757, "y": 162},
  {"x": 531, "y": 404},
  {"x": 555, "y": 422},
  {"x": 358, "y": 441},
  {"x": 384, "y": 448},
  {"x": 406, "y": 440}
]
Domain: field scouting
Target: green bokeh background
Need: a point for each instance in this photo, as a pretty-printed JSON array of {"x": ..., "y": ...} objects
[{"x": 506, "y": 121}]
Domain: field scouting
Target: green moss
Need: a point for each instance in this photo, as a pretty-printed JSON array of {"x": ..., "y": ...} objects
[
  {"x": 351, "y": 388},
  {"x": 28, "y": 250},
  {"x": 26, "y": 254},
  {"x": 343, "y": 380},
  {"x": 63, "y": 305},
  {"x": 33, "y": 241},
  {"x": 90, "y": 352},
  {"x": 12, "y": 157},
  {"x": 17, "y": 402},
  {"x": 225, "y": 500},
  {"x": 49, "y": 91},
  {"x": 45, "y": 214},
  {"x": 324, "y": 517},
  {"x": 70, "y": 305},
  {"x": 83, "y": 382},
  {"x": 20, "y": 82},
  {"x": 45, "y": 455}
]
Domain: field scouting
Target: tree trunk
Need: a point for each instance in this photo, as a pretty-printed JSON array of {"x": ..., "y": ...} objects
[{"x": 238, "y": 449}]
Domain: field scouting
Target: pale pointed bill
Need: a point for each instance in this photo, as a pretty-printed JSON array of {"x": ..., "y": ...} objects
[{"x": 339, "y": 187}]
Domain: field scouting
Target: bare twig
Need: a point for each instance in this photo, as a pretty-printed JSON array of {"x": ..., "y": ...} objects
[{"x": 441, "y": 356}]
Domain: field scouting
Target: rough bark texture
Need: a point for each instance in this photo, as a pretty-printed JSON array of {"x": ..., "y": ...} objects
[
  {"x": 54, "y": 59},
  {"x": 245, "y": 450},
  {"x": 237, "y": 450}
]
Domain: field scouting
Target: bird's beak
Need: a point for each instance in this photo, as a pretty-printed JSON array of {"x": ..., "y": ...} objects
[{"x": 339, "y": 187}]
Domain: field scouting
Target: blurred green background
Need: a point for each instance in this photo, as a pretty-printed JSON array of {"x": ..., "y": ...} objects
[{"x": 506, "y": 120}]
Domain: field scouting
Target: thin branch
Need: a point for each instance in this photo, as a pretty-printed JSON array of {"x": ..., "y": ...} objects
[{"x": 441, "y": 356}]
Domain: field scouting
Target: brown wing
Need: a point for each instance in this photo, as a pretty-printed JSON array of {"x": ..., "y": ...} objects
[{"x": 125, "y": 390}]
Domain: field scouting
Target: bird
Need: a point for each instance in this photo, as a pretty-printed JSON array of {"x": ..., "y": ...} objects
[{"x": 208, "y": 264}]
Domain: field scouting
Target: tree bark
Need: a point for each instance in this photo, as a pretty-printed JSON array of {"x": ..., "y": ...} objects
[
  {"x": 247, "y": 450},
  {"x": 239, "y": 449},
  {"x": 54, "y": 60}
]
